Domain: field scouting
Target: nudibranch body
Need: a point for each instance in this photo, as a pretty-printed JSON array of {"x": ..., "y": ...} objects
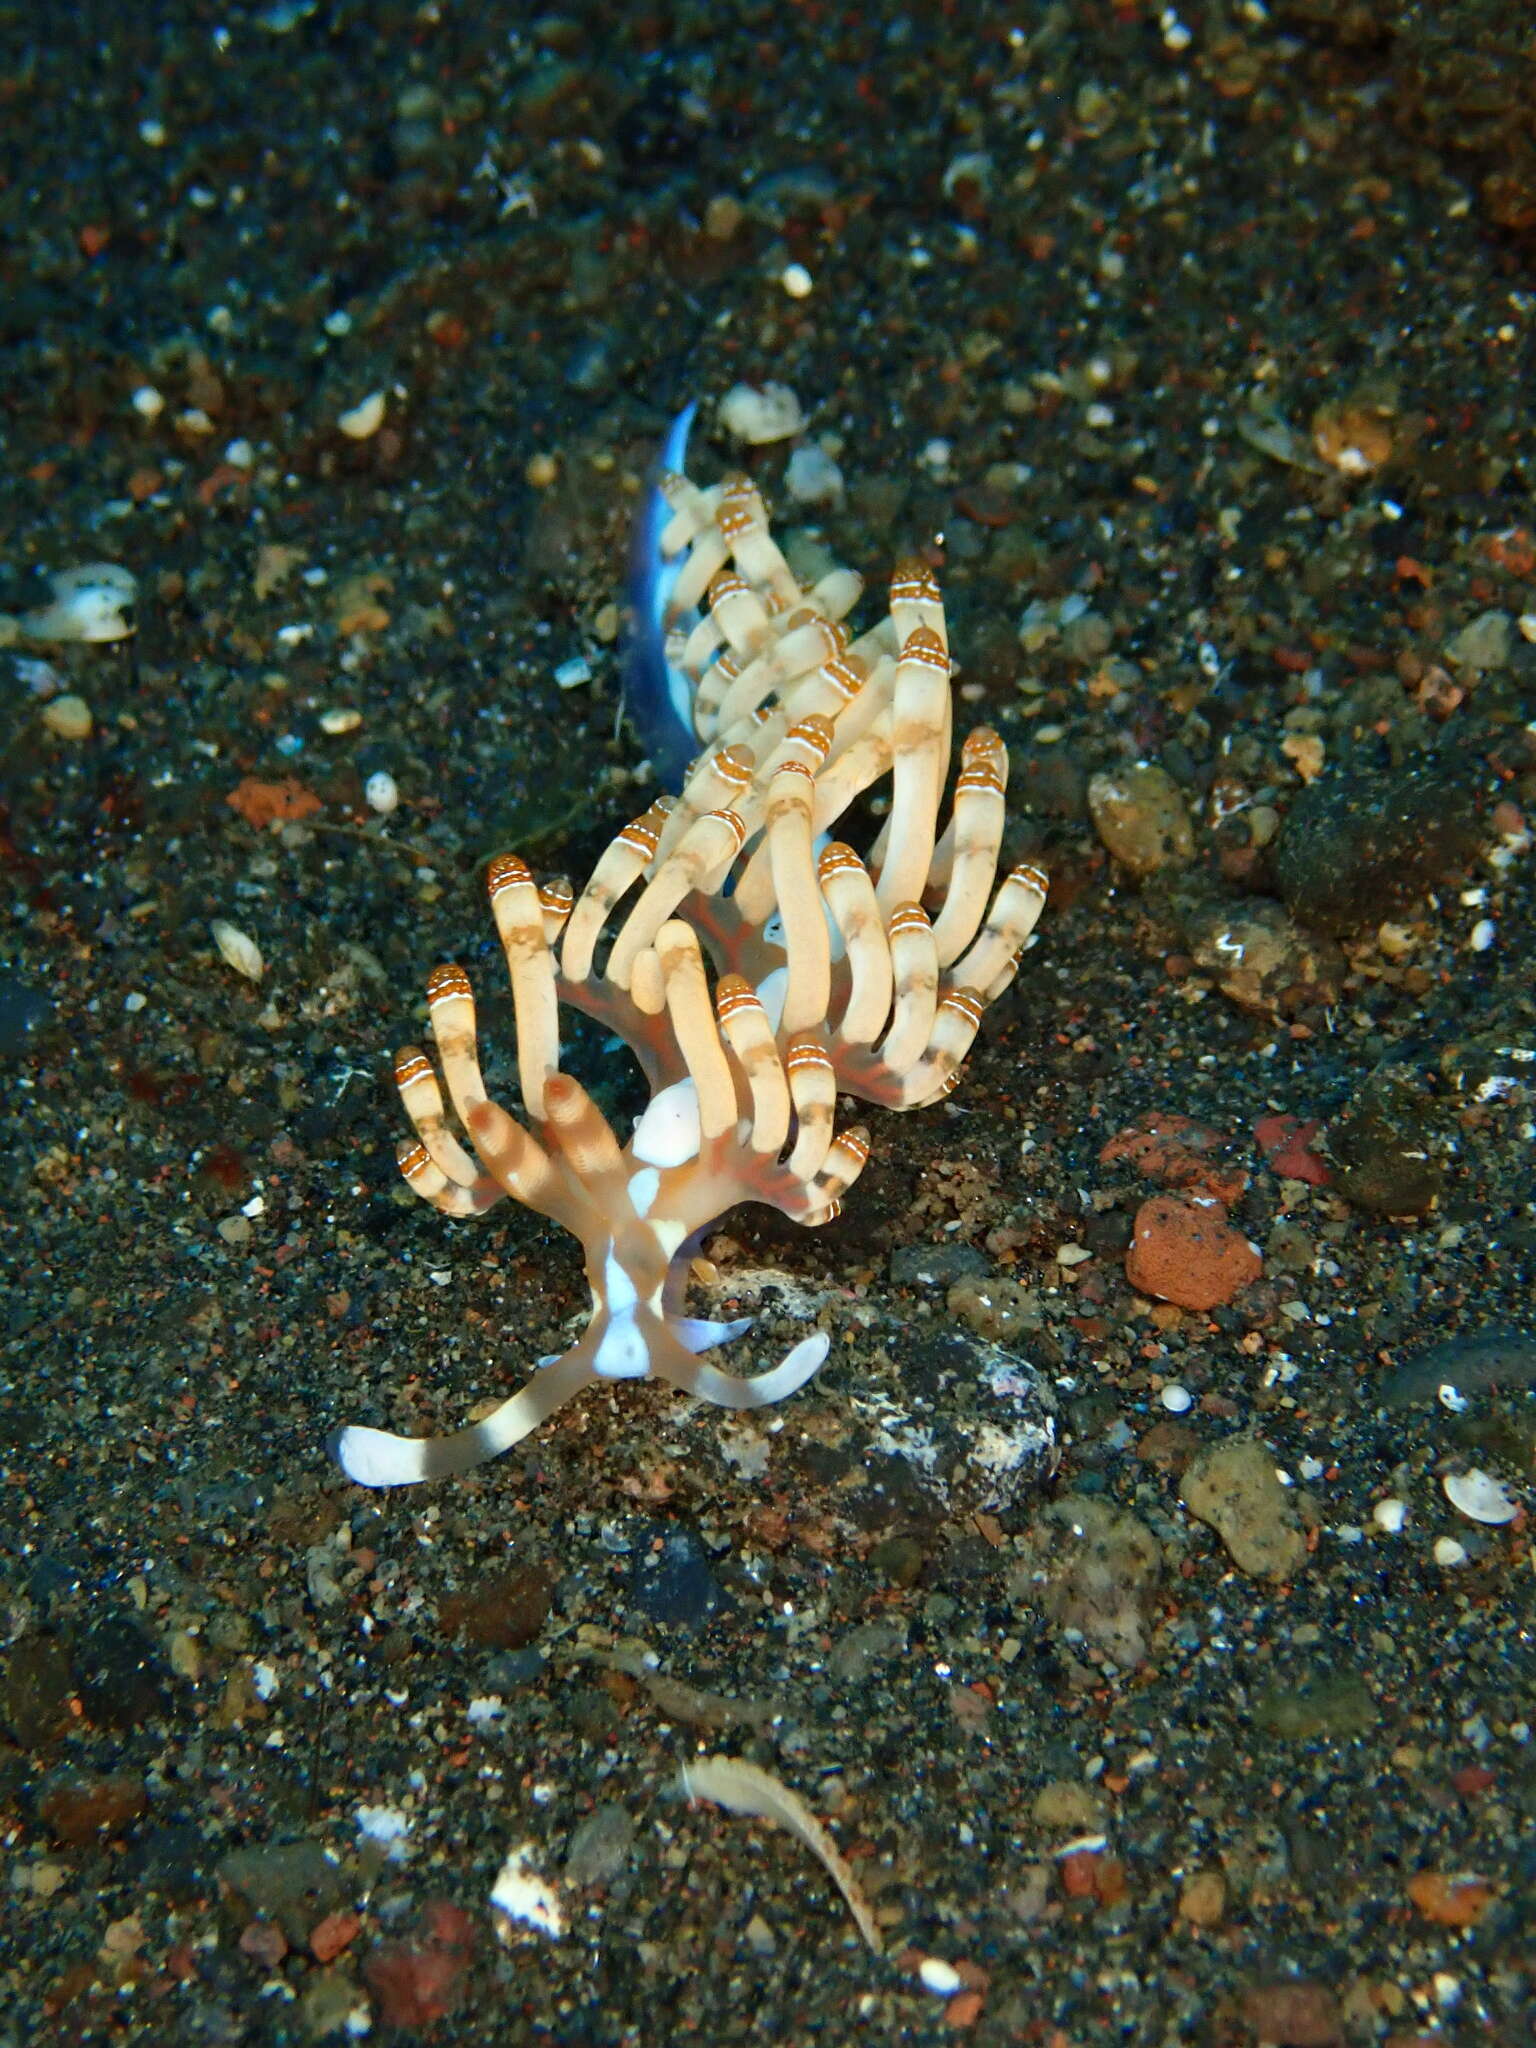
[{"x": 755, "y": 970}]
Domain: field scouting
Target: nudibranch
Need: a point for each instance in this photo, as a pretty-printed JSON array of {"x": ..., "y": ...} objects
[{"x": 756, "y": 968}]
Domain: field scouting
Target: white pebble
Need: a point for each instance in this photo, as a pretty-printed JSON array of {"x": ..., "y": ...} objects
[
  {"x": 341, "y": 718},
  {"x": 1449, "y": 1552},
  {"x": 939, "y": 1977},
  {"x": 1480, "y": 1497},
  {"x": 813, "y": 477},
  {"x": 1176, "y": 1399},
  {"x": 364, "y": 419},
  {"x": 1389, "y": 1515},
  {"x": 757, "y": 415},
  {"x": 1483, "y": 935},
  {"x": 797, "y": 281},
  {"x": 148, "y": 403},
  {"x": 240, "y": 454},
  {"x": 381, "y": 792},
  {"x": 237, "y": 949},
  {"x": 570, "y": 675}
]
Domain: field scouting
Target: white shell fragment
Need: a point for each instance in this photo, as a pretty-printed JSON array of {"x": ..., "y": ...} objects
[
  {"x": 741, "y": 1787},
  {"x": 939, "y": 1977},
  {"x": 1480, "y": 1497},
  {"x": 237, "y": 950},
  {"x": 89, "y": 604},
  {"x": 363, "y": 420},
  {"x": 520, "y": 1894},
  {"x": 761, "y": 413},
  {"x": 381, "y": 792}
]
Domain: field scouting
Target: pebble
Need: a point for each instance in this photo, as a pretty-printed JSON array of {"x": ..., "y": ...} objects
[
  {"x": 1388, "y": 1146},
  {"x": 381, "y": 792},
  {"x": 1389, "y": 1515},
  {"x": 939, "y": 1977},
  {"x": 1261, "y": 959},
  {"x": 1141, "y": 818},
  {"x": 1449, "y": 1553},
  {"x": 1092, "y": 1569},
  {"x": 1362, "y": 843},
  {"x": 1188, "y": 1254},
  {"x": 363, "y": 420},
  {"x": 1176, "y": 1399},
  {"x": 813, "y": 478},
  {"x": 1483, "y": 645},
  {"x": 1234, "y": 1489},
  {"x": 68, "y": 718},
  {"x": 600, "y": 1846},
  {"x": 760, "y": 414},
  {"x": 1476, "y": 1363}
]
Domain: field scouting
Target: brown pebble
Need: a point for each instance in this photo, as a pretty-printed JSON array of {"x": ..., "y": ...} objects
[
  {"x": 502, "y": 1612},
  {"x": 263, "y": 1943},
  {"x": 1203, "y": 1898},
  {"x": 1295, "y": 2015},
  {"x": 1450, "y": 1901},
  {"x": 331, "y": 1935},
  {"x": 88, "y": 1809},
  {"x": 1188, "y": 1254}
]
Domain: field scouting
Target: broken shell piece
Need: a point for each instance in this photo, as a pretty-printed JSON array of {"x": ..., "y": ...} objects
[
  {"x": 520, "y": 1895},
  {"x": 89, "y": 603},
  {"x": 758, "y": 414},
  {"x": 741, "y": 1787},
  {"x": 1480, "y": 1497},
  {"x": 363, "y": 420},
  {"x": 237, "y": 949}
]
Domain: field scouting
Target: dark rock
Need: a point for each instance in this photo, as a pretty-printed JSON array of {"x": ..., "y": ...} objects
[
  {"x": 294, "y": 1884},
  {"x": 675, "y": 1585},
  {"x": 503, "y": 1611},
  {"x": 35, "y": 1691},
  {"x": 1094, "y": 1568},
  {"x": 1313, "y": 1705},
  {"x": 1359, "y": 844},
  {"x": 1388, "y": 1147},
  {"x": 935, "y": 1265},
  {"x": 600, "y": 1847},
  {"x": 119, "y": 1675},
  {"x": 1473, "y": 1363},
  {"x": 80, "y": 1810}
]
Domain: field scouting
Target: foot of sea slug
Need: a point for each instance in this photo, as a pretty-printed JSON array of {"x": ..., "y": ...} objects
[
  {"x": 708, "y": 1383},
  {"x": 376, "y": 1457}
]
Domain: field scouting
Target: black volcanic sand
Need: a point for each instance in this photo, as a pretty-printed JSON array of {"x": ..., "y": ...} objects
[{"x": 1197, "y": 350}]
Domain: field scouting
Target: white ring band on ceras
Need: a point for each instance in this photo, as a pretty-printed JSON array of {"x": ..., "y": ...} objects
[{"x": 756, "y": 971}]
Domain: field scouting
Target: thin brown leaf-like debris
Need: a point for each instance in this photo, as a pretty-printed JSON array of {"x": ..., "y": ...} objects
[{"x": 741, "y": 1787}]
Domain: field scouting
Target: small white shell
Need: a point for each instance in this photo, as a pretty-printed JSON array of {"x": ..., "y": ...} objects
[
  {"x": 381, "y": 792},
  {"x": 758, "y": 414},
  {"x": 237, "y": 950},
  {"x": 364, "y": 419},
  {"x": 1480, "y": 1497}
]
